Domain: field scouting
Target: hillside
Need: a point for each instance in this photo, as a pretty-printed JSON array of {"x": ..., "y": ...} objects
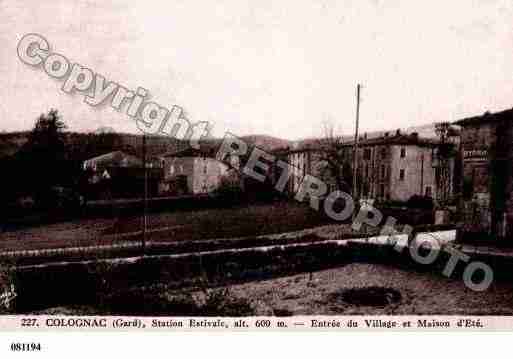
[
  {"x": 266, "y": 142},
  {"x": 10, "y": 143}
]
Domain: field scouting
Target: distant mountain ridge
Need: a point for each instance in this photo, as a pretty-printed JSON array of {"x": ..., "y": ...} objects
[
  {"x": 267, "y": 142},
  {"x": 11, "y": 142}
]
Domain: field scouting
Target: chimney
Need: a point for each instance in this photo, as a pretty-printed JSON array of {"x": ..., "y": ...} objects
[
  {"x": 398, "y": 132},
  {"x": 386, "y": 134},
  {"x": 365, "y": 135}
]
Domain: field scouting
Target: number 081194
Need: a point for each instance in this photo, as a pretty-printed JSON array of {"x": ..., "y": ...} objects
[{"x": 25, "y": 347}]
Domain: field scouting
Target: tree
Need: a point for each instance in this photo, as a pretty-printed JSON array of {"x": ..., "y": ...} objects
[
  {"x": 47, "y": 133},
  {"x": 44, "y": 155},
  {"x": 102, "y": 141},
  {"x": 334, "y": 160}
]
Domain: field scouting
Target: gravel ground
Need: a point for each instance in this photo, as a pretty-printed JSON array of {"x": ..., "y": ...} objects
[{"x": 422, "y": 293}]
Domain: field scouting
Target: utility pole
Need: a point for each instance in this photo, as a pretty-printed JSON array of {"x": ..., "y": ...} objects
[
  {"x": 355, "y": 149},
  {"x": 421, "y": 192},
  {"x": 145, "y": 200}
]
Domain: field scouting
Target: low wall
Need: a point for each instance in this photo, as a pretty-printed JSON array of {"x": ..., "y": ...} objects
[{"x": 64, "y": 283}]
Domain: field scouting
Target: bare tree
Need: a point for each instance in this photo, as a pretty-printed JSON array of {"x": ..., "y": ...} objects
[
  {"x": 445, "y": 153},
  {"x": 334, "y": 159}
]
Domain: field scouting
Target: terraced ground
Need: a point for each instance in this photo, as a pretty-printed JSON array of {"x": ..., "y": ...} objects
[{"x": 193, "y": 225}]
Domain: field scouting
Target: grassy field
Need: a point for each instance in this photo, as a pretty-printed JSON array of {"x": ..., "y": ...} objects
[{"x": 193, "y": 225}]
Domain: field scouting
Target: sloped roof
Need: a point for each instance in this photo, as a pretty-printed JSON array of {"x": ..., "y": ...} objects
[
  {"x": 115, "y": 156},
  {"x": 486, "y": 117},
  {"x": 192, "y": 152},
  {"x": 397, "y": 139}
]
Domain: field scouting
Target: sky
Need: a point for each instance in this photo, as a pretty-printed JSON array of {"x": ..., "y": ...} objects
[{"x": 281, "y": 68}]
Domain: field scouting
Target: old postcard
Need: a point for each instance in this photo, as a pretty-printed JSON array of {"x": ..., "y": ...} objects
[{"x": 245, "y": 166}]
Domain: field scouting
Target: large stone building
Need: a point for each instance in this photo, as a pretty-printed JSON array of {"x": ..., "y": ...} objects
[
  {"x": 192, "y": 171},
  {"x": 487, "y": 152},
  {"x": 398, "y": 167},
  {"x": 390, "y": 168}
]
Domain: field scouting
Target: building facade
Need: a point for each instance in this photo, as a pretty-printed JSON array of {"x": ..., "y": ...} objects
[
  {"x": 396, "y": 168},
  {"x": 486, "y": 206},
  {"x": 390, "y": 168},
  {"x": 192, "y": 172},
  {"x": 306, "y": 161}
]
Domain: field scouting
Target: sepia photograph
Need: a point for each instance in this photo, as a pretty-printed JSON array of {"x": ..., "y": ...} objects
[{"x": 256, "y": 165}]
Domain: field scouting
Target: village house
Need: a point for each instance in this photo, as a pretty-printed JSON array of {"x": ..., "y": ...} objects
[
  {"x": 390, "y": 168},
  {"x": 111, "y": 159},
  {"x": 100, "y": 167},
  {"x": 120, "y": 175},
  {"x": 192, "y": 171},
  {"x": 487, "y": 153},
  {"x": 398, "y": 167}
]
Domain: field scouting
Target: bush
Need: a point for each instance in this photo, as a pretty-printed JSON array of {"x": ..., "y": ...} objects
[
  {"x": 221, "y": 302},
  {"x": 156, "y": 302},
  {"x": 422, "y": 202},
  {"x": 7, "y": 289},
  {"x": 228, "y": 190}
]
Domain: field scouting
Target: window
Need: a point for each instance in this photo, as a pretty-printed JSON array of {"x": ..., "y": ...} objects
[
  {"x": 401, "y": 175},
  {"x": 381, "y": 190},
  {"x": 403, "y": 152},
  {"x": 383, "y": 171},
  {"x": 383, "y": 153},
  {"x": 367, "y": 154},
  {"x": 429, "y": 192},
  {"x": 171, "y": 169}
]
